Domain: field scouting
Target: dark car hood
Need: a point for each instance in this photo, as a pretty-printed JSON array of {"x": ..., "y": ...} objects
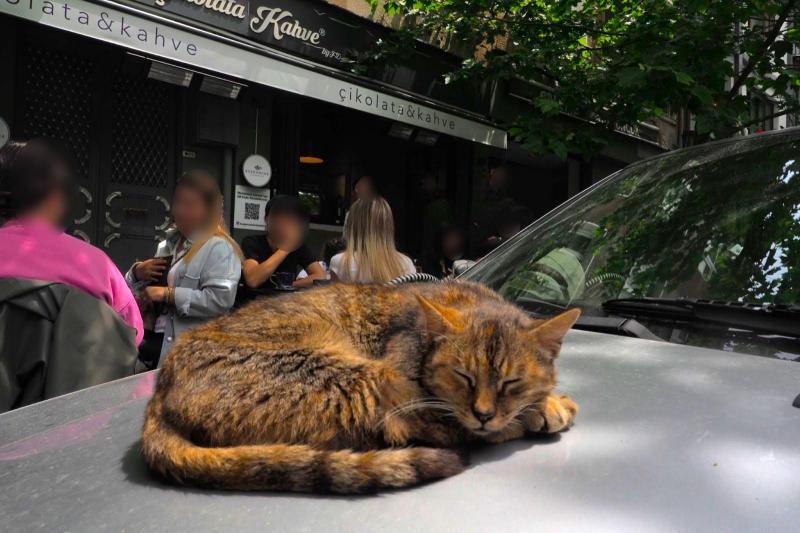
[{"x": 670, "y": 438}]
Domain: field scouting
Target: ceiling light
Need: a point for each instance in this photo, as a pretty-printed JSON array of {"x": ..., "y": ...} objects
[
  {"x": 170, "y": 74},
  {"x": 401, "y": 131},
  {"x": 220, "y": 87},
  {"x": 426, "y": 137}
]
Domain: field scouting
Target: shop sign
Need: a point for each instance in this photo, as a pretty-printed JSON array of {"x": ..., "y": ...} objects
[
  {"x": 329, "y": 35},
  {"x": 257, "y": 170},
  {"x": 249, "y": 206},
  {"x": 295, "y": 25},
  {"x": 226, "y": 7},
  {"x": 159, "y": 39},
  {"x": 5, "y": 132},
  {"x": 282, "y": 24}
]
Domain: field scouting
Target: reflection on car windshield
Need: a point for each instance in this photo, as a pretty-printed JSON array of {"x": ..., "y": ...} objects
[{"x": 717, "y": 222}]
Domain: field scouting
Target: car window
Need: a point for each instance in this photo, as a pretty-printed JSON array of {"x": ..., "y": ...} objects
[{"x": 716, "y": 222}]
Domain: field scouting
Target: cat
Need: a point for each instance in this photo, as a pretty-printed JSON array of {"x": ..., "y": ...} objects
[{"x": 329, "y": 390}]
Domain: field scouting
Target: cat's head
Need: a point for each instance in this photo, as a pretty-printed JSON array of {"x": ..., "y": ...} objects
[{"x": 491, "y": 362}]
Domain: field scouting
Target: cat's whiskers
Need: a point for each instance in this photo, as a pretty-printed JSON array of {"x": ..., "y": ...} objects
[
  {"x": 415, "y": 401},
  {"x": 417, "y": 404}
]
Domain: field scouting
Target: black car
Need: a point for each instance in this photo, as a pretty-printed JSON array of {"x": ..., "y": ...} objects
[{"x": 699, "y": 246}]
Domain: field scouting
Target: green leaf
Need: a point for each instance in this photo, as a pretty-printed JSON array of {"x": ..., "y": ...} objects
[
  {"x": 702, "y": 94},
  {"x": 547, "y": 104},
  {"x": 559, "y": 148},
  {"x": 793, "y": 34},
  {"x": 703, "y": 124},
  {"x": 630, "y": 77},
  {"x": 683, "y": 78}
]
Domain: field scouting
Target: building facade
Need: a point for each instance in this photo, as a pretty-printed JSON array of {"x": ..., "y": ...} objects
[{"x": 265, "y": 95}]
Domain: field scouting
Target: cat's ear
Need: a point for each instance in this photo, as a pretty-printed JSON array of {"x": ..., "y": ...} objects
[
  {"x": 441, "y": 318},
  {"x": 548, "y": 334}
]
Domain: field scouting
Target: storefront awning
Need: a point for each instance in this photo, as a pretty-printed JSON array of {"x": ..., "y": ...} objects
[{"x": 161, "y": 38}]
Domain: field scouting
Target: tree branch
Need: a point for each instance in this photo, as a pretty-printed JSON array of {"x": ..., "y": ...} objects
[{"x": 768, "y": 41}]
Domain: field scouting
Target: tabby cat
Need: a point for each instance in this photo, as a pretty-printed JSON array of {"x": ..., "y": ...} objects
[{"x": 329, "y": 390}]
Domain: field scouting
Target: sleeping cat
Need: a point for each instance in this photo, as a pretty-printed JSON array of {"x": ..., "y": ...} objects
[{"x": 330, "y": 390}]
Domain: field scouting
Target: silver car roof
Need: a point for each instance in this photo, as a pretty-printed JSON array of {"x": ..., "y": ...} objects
[{"x": 669, "y": 438}]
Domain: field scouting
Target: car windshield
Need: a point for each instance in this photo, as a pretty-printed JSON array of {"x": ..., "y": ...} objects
[{"x": 715, "y": 222}]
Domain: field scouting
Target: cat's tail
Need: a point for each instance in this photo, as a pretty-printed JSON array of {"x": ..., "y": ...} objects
[{"x": 283, "y": 467}]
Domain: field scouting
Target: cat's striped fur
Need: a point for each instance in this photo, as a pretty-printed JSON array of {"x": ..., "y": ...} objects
[{"x": 329, "y": 390}]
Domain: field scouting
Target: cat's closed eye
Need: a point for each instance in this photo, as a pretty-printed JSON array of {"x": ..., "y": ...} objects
[
  {"x": 504, "y": 385},
  {"x": 466, "y": 376}
]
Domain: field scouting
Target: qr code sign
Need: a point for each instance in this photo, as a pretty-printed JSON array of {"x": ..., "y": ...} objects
[{"x": 252, "y": 211}]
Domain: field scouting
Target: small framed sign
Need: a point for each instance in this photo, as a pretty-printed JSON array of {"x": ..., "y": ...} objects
[
  {"x": 257, "y": 170},
  {"x": 5, "y": 132},
  {"x": 249, "y": 206}
]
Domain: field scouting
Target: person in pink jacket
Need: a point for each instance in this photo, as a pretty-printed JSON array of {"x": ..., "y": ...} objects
[{"x": 33, "y": 245}]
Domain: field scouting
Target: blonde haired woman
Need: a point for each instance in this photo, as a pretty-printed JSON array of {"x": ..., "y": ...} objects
[
  {"x": 195, "y": 271},
  {"x": 370, "y": 255}
]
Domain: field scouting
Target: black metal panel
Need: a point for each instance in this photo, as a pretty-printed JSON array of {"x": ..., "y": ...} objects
[
  {"x": 141, "y": 132},
  {"x": 217, "y": 120},
  {"x": 56, "y": 100}
]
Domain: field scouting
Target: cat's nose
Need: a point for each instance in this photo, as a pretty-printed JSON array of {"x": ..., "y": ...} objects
[{"x": 483, "y": 415}]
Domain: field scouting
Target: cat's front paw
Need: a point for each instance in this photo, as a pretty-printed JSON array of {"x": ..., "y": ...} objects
[
  {"x": 399, "y": 431},
  {"x": 396, "y": 431},
  {"x": 558, "y": 414}
]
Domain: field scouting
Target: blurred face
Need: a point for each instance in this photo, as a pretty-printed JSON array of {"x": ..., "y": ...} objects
[
  {"x": 189, "y": 210},
  {"x": 280, "y": 224},
  {"x": 55, "y": 208},
  {"x": 453, "y": 245},
  {"x": 364, "y": 189}
]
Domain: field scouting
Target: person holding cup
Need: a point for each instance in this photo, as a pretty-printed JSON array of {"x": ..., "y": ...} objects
[
  {"x": 273, "y": 260},
  {"x": 195, "y": 271}
]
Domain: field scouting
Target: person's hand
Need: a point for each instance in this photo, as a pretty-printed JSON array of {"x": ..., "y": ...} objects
[
  {"x": 292, "y": 238},
  {"x": 156, "y": 294},
  {"x": 150, "y": 270},
  {"x": 144, "y": 303}
]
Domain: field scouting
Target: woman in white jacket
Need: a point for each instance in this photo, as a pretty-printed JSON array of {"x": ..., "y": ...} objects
[{"x": 201, "y": 261}]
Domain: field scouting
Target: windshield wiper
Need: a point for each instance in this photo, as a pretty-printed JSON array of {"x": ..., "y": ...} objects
[
  {"x": 628, "y": 327},
  {"x": 764, "y": 318}
]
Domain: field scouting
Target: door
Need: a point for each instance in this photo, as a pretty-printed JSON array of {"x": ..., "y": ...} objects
[
  {"x": 139, "y": 168},
  {"x": 118, "y": 127}
]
